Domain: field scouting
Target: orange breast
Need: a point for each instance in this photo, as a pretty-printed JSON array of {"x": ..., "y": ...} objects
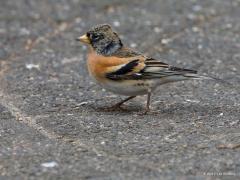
[
  {"x": 99, "y": 65},
  {"x": 95, "y": 69}
]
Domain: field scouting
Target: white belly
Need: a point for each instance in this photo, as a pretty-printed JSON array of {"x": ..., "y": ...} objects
[{"x": 127, "y": 88}]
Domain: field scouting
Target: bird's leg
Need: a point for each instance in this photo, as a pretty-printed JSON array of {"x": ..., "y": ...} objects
[
  {"x": 147, "y": 109},
  {"x": 118, "y": 105}
]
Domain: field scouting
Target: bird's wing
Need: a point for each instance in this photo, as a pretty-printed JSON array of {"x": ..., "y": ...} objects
[
  {"x": 142, "y": 67},
  {"x": 157, "y": 69},
  {"x": 129, "y": 70}
]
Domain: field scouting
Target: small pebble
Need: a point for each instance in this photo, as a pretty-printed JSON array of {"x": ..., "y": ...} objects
[
  {"x": 83, "y": 103},
  {"x": 116, "y": 23},
  {"x": 200, "y": 46},
  {"x": 78, "y": 20},
  {"x": 165, "y": 41},
  {"x": 195, "y": 29},
  {"x": 49, "y": 164},
  {"x": 32, "y": 66},
  {"x": 133, "y": 45},
  {"x": 157, "y": 30},
  {"x": 24, "y": 32},
  {"x": 229, "y": 26}
]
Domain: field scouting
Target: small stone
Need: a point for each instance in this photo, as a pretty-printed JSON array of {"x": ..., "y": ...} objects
[
  {"x": 195, "y": 29},
  {"x": 78, "y": 20},
  {"x": 191, "y": 16},
  {"x": 63, "y": 26},
  {"x": 32, "y": 66},
  {"x": 157, "y": 30},
  {"x": 49, "y": 164},
  {"x": 193, "y": 101},
  {"x": 200, "y": 46},
  {"x": 133, "y": 45},
  {"x": 234, "y": 68},
  {"x": 116, "y": 23},
  {"x": 70, "y": 60},
  {"x": 165, "y": 41},
  {"x": 229, "y": 26},
  {"x": 24, "y": 32},
  {"x": 83, "y": 103}
]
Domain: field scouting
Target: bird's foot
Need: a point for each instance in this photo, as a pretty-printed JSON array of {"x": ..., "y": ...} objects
[
  {"x": 115, "y": 107},
  {"x": 144, "y": 112}
]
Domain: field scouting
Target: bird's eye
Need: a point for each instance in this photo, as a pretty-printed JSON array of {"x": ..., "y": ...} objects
[{"x": 95, "y": 37}]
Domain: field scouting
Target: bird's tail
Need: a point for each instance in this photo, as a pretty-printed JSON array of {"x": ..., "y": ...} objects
[
  {"x": 187, "y": 74},
  {"x": 207, "y": 77},
  {"x": 193, "y": 74},
  {"x": 173, "y": 74}
]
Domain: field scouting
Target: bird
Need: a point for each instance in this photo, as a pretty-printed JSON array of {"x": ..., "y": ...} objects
[{"x": 125, "y": 71}]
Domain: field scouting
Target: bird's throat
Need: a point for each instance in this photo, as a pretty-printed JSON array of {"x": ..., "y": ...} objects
[{"x": 108, "y": 49}]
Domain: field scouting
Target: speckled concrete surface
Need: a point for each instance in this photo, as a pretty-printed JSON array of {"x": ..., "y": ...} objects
[{"x": 51, "y": 122}]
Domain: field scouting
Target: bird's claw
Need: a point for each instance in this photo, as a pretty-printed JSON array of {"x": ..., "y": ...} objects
[{"x": 114, "y": 108}]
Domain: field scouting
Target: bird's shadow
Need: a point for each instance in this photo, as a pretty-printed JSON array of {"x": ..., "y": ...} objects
[{"x": 162, "y": 108}]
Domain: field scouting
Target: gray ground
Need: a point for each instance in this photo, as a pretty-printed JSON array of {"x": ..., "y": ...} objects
[{"x": 52, "y": 125}]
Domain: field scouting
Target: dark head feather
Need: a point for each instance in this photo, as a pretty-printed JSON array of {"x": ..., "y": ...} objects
[{"x": 104, "y": 40}]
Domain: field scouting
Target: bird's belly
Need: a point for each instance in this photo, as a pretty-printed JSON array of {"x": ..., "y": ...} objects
[{"x": 127, "y": 88}]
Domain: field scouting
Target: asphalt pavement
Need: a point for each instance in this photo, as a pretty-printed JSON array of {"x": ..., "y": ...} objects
[{"x": 52, "y": 125}]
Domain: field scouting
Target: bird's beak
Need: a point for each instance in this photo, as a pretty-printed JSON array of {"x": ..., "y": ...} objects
[{"x": 83, "y": 39}]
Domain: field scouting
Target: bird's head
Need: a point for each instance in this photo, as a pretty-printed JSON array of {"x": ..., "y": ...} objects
[{"x": 102, "y": 39}]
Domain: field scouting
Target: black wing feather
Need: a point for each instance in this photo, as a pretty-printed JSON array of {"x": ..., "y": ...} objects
[
  {"x": 172, "y": 68},
  {"x": 120, "y": 73},
  {"x": 154, "y": 68}
]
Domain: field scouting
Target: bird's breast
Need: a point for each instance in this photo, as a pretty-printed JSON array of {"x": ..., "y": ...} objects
[
  {"x": 96, "y": 70},
  {"x": 99, "y": 65}
]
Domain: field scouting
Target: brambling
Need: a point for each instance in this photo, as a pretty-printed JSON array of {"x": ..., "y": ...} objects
[{"x": 124, "y": 71}]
